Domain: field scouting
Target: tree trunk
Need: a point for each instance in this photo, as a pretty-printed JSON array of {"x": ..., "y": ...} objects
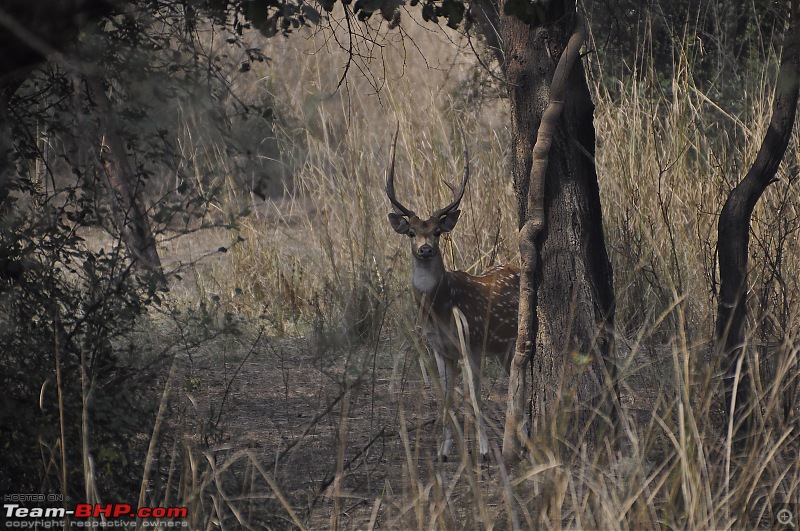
[
  {"x": 566, "y": 329},
  {"x": 129, "y": 210},
  {"x": 7, "y": 168},
  {"x": 734, "y": 230}
]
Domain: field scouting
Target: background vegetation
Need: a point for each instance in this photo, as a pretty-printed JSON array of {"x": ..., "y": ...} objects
[{"x": 276, "y": 380}]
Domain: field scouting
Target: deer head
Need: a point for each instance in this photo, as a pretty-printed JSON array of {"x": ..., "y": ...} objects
[{"x": 424, "y": 234}]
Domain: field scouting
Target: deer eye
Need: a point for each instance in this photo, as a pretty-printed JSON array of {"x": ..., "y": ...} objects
[
  {"x": 411, "y": 233},
  {"x": 437, "y": 233}
]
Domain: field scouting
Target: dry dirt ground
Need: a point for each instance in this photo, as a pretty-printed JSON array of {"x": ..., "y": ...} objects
[
  {"x": 289, "y": 406},
  {"x": 296, "y": 411}
]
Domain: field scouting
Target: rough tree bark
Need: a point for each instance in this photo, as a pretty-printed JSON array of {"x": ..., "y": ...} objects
[
  {"x": 566, "y": 325},
  {"x": 734, "y": 229}
]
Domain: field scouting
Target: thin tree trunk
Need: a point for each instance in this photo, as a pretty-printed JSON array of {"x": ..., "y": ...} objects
[
  {"x": 129, "y": 210},
  {"x": 10, "y": 267},
  {"x": 7, "y": 168},
  {"x": 566, "y": 321},
  {"x": 734, "y": 228}
]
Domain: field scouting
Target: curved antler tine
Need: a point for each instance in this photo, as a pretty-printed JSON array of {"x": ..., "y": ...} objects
[
  {"x": 398, "y": 207},
  {"x": 458, "y": 193}
]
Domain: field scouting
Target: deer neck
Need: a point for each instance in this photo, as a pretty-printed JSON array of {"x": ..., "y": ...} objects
[{"x": 428, "y": 276}]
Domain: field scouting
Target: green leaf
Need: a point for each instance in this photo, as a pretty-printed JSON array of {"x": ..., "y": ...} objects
[
  {"x": 429, "y": 13},
  {"x": 391, "y": 13},
  {"x": 367, "y": 6},
  {"x": 311, "y": 14},
  {"x": 257, "y": 12},
  {"x": 454, "y": 11}
]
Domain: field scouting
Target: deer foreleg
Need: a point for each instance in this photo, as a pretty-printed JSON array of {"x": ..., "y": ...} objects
[{"x": 447, "y": 377}]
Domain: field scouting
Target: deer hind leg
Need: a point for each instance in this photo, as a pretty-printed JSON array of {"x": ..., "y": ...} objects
[
  {"x": 483, "y": 440},
  {"x": 472, "y": 380},
  {"x": 447, "y": 377}
]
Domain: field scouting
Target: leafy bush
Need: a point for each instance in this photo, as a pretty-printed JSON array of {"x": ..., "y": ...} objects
[{"x": 70, "y": 378}]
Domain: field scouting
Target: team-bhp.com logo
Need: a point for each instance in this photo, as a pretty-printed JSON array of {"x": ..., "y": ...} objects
[{"x": 28, "y": 517}]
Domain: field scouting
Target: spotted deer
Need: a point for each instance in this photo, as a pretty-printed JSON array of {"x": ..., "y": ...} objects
[{"x": 465, "y": 317}]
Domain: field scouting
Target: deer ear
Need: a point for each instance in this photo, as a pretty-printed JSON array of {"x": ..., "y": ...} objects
[
  {"x": 399, "y": 223},
  {"x": 448, "y": 221}
]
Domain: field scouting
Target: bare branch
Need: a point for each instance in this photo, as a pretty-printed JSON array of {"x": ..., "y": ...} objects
[{"x": 734, "y": 228}]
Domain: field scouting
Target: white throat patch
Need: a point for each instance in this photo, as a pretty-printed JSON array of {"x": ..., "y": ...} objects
[{"x": 425, "y": 278}]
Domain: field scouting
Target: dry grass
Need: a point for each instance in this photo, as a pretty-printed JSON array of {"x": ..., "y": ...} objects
[{"x": 323, "y": 269}]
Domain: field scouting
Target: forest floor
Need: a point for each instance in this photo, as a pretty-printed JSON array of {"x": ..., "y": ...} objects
[
  {"x": 359, "y": 454},
  {"x": 289, "y": 407}
]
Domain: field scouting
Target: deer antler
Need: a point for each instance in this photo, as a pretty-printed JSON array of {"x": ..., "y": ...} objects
[
  {"x": 398, "y": 207},
  {"x": 458, "y": 193}
]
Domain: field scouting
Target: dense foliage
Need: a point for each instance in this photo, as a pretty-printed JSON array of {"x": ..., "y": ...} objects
[{"x": 73, "y": 303}]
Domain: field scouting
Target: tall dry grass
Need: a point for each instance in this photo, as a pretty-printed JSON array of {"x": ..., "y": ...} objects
[{"x": 324, "y": 248}]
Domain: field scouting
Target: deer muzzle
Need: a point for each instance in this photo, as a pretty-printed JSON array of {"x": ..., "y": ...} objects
[{"x": 425, "y": 252}]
